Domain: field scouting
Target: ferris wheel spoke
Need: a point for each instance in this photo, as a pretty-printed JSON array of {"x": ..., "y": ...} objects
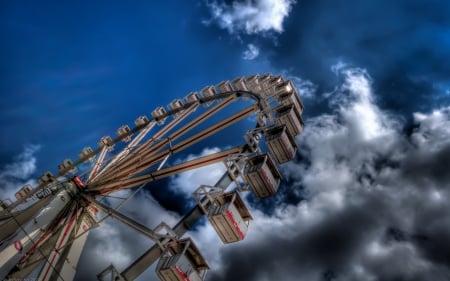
[
  {"x": 146, "y": 163},
  {"x": 98, "y": 163},
  {"x": 127, "y": 150},
  {"x": 125, "y": 219},
  {"x": 166, "y": 172},
  {"x": 138, "y": 151},
  {"x": 147, "y": 149}
]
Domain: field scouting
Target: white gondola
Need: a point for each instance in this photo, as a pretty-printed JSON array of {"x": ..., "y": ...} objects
[
  {"x": 264, "y": 84},
  {"x": 23, "y": 192},
  {"x": 283, "y": 88},
  {"x": 271, "y": 84},
  {"x": 230, "y": 217},
  {"x": 224, "y": 87},
  {"x": 287, "y": 95},
  {"x": 141, "y": 120},
  {"x": 66, "y": 164},
  {"x": 281, "y": 144},
  {"x": 262, "y": 175},
  {"x": 192, "y": 97},
  {"x": 47, "y": 177},
  {"x": 85, "y": 152},
  {"x": 264, "y": 79},
  {"x": 275, "y": 81},
  {"x": 183, "y": 262},
  {"x": 158, "y": 115},
  {"x": 176, "y": 104},
  {"x": 209, "y": 92},
  {"x": 125, "y": 129},
  {"x": 253, "y": 84},
  {"x": 289, "y": 116},
  {"x": 4, "y": 204},
  {"x": 240, "y": 85},
  {"x": 106, "y": 140}
]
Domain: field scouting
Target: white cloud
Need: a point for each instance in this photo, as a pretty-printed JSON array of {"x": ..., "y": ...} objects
[
  {"x": 360, "y": 177},
  {"x": 189, "y": 181},
  {"x": 362, "y": 113},
  {"x": 24, "y": 164},
  {"x": 16, "y": 174},
  {"x": 251, "y": 53},
  {"x": 251, "y": 17},
  {"x": 434, "y": 128}
]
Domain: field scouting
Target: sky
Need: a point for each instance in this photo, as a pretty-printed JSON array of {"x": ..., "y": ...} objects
[{"x": 366, "y": 197}]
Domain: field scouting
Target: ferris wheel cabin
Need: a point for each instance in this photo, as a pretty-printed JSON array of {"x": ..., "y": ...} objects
[
  {"x": 85, "y": 153},
  {"x": 176, "y": 104},
  {"x": 183, "y": 262},
  {"x": 47, "y": 177},
  {"x": 252, "y": 82},
  {"x": 262, "y": 175},
  {"x": 192, "y": 97},
  {"x": 230, "y": 217},
  {"x": 287, "y": 96},
  {"x": 141, "y": 120},
  {"x": 158, "y": 114},
  {"x": 289, "y": 115},
  {"x": 239, "y": 84},
  {"x": 224, "y": 87},
  {"x": 23, "y": 191},
  {"x": 125, "y": 129},
  {"x": 281, "y": 144}
]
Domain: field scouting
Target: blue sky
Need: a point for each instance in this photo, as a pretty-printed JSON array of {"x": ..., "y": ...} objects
[{"x": 374, "y": 77}]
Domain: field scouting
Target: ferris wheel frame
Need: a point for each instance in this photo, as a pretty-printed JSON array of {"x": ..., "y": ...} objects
[{"x": 73, "y": 200}]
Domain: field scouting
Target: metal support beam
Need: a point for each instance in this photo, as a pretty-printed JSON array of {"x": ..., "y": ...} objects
[
  {"x": 98, "y": 163},
  {"x": 135, "y": 164},
  {"x": 127, "y": 150},
  {"x": 124, "y": 219},
  {"x": 143, "y": 149},
  {"x": 166, "y": 172},
  {"x": 108, "y": 187}
]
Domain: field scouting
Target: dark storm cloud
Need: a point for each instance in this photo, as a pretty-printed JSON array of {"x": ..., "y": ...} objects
[
  {"x": 424, "y": 166},
  {"x": 373, "y": 208},
  {"x": 403, "y": 44}
]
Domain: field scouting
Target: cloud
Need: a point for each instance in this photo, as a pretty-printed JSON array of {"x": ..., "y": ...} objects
[
  {"x": 17, "y": 173},
  {"x": 189, "y": 181},
  {"x": 251, "y": 17},
  {"x": 373, "y": 204},
  {"x": 413, "y": 73},
  {"x": 306, "y": 89},
  {"x": 251, "y": 53}
]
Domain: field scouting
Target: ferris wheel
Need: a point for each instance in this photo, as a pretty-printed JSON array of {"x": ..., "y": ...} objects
[{"x": 44, "y": 230}]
